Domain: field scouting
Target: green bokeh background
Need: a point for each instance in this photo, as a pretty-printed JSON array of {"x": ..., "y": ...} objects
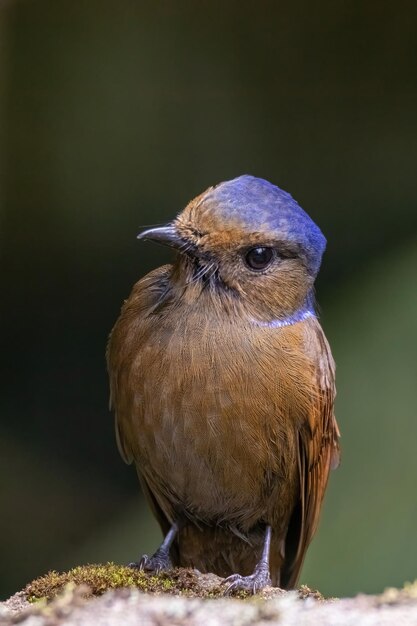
[{"x": 112, "y": 116}]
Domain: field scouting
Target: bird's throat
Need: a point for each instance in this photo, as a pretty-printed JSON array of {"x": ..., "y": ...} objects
[{"x": 298, "y": 316}]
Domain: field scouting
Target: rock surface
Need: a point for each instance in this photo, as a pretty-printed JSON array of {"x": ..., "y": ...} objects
[{"x": 75, "y": 606}]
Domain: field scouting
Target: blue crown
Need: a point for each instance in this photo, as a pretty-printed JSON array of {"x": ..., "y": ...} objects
[{"x": 257, "y": 205}]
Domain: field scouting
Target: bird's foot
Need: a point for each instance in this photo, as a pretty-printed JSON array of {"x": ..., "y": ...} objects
[
  {"x": 156, "y": 563},
  {"x": 252, "y": 584}
]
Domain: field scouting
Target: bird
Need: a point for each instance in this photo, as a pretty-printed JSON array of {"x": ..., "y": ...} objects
[{"x": 223, "y": 384}]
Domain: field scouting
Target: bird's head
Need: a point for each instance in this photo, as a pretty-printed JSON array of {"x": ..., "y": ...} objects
[{"x": 249, "y": 240}]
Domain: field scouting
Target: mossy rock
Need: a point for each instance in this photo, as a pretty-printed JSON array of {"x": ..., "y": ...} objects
[{"x": 97, "y": 579}]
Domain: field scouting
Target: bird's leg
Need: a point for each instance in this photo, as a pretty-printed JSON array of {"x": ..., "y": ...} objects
[
  {"x": 160, "y": 560},
  {"x": 260, "y": 577}
]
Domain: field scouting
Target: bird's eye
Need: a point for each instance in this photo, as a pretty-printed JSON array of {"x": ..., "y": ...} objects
[{"x": 259, "y": 258}]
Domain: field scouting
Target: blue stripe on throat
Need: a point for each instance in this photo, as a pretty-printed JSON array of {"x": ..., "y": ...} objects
[{"x": 296, "y": 317}]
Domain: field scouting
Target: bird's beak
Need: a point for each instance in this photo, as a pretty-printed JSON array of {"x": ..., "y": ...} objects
[{"x": 166, "y": 235}]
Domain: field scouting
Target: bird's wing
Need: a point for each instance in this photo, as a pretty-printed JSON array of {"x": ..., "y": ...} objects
[
  {"x": 123, "y": 346},
  {"x": 318, "y": 452}
]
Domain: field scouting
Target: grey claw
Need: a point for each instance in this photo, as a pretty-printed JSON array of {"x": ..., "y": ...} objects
[
  {"x": 153, "y": 564},
  {"x": 252, "y": 584},
  {"x": 139, "y": 564},
  {"x": 234, "y": 586},
  {"x": 232, "y": 578},
  {"x": 143, "y": 562}
]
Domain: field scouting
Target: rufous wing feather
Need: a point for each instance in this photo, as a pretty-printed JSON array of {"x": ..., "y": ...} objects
[{"x": 318, "y": 452}]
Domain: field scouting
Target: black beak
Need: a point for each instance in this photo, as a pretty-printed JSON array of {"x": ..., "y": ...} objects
[{"x": 166, "y": 235}]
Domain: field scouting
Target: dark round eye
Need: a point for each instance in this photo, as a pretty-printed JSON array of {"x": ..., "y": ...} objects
[{"x": 259, "y": 258}]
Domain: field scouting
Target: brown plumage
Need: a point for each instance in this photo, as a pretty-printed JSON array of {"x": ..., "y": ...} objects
[{"x": 223, "y": 386}]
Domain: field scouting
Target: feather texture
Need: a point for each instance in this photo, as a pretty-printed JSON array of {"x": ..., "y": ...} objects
[{"x": 227, "y": 416}]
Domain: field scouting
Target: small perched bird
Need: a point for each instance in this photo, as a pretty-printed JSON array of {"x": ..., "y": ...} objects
[{"x": 222, "y": 382}]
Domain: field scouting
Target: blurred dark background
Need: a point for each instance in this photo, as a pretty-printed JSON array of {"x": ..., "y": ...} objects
[{"x": 112, "y": 116}]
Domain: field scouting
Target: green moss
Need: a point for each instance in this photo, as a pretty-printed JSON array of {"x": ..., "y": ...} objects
[
  {"x": 94, "y": 580},
  {"x": 100, "y": 578},
  {"x": 36, "y": 600},
  {"x": 305, "y": 592}
]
